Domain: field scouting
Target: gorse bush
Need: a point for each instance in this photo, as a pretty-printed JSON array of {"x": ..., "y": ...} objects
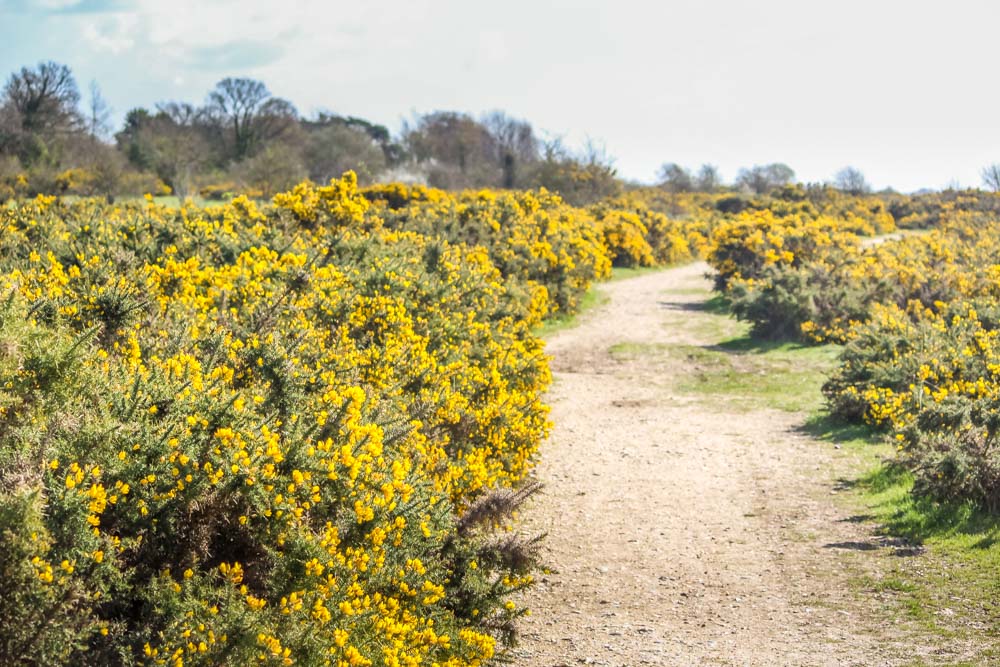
[
  {"x": 919, "y": 318},
  {"x": 532, "y": 238},
  {"x": 282, "y": 434},
  {"x": 930, "y": 210},
  {"x": 813, "y": 281},
  {"x": 232, "y": 436},
  {"x": 931, "y": 379},
  {"x": 742, "y": 248},
  {"x": 776, "y": 271},
  {"x": 536, "y": 239},
  {"x": 638, "y": 236}
]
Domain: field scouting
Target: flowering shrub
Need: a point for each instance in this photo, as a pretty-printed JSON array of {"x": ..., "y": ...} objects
[
  {"x": 286, "y": 433},
  {"x": 638, "y": 236},
  {"x": 743, "y": 248},
  {"x": 777, "y": 271},
  {"x": 549, "y": 248},
  {"x": 625, "y": 239},
  {"x": 933, "y": 380},
  {"x": 927, "y": 211},
  {"x": 919, "y": 316},
  {"x": 241, "y": 435}
]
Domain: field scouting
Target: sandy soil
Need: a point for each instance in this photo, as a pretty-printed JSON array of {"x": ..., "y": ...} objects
[{"x": 683, "y": 531}]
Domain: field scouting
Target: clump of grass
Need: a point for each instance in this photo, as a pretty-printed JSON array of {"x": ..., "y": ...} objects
[
  {"x": 941, "y": 575},
  {"x": 781, "y": 376},
  {"x": 626, "y": 272},
  {"x": 593, "y": 299}
]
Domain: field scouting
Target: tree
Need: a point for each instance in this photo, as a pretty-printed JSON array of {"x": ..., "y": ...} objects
[
  {"x": 44, "y": 98},
  {"x": 581, "y": 179},
  {"x": 392, "y": 150},
  {"x": 852, "y": 181},
  {"x": 675, "y": 178},
  {"x": 455, "y": 149},
  {"x": 98, "y": 113},
  {"x": 172, "y": 144},
  {"x": 182, "y": 113},
  {"x": 991, "y": 176},
  {"x": 595, "y": 154},
  {"x": 334, "y": 148},
  {"x": 761, "y": 179},
  {"x": 128, "y": 139},
  {"x": 275, "y": 168},
  {"x": 444, "y": 136},
  {"x": 10, "y": 130},
  {"x": 39, "y": 108},
  {"x": 247, "y": 116},
  {"x": 514, "y": 145},
  {"x": 708, "y": 179}
]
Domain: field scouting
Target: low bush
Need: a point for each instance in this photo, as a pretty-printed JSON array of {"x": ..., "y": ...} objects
[{"x": 233, "y": 435}]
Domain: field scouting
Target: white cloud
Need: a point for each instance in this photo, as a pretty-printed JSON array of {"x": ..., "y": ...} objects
[{"x": 111, "y": 33}]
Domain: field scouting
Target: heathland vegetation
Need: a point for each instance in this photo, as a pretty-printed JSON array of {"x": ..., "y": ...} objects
[
  {"x": 286, "y": 432},
  {"x": 292, "y": 427},
  {"x": 917, "y": 316}
]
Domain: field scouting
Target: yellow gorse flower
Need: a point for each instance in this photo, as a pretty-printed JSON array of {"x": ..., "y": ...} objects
[{"x": 280, "y": 409}]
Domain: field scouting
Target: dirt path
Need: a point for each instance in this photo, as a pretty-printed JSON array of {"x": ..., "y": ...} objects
[{"x": 683, "y": 531}]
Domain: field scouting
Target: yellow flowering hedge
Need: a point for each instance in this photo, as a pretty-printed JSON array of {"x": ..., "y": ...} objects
[
  {"x": 931, "y": 377},
  {"x": 919, "y": 317},
  {"x": 258, "y": 435},
  {"x": 931, "y": 289},
  {"x": 776, "y": 270},
  {"x": 284, "y": 433},
  {"x": 549, "y": 248},
  {"x": 636, "y": 235},
  {"x": 866, "y": 214},
  {"x": 539, "y": 241},
  {"x": 744, "y": 247}
]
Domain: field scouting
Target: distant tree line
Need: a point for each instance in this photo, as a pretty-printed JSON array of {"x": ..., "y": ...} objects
[
  {"x": 758, "y": 180},
  {"x": 244, "y": 139}
]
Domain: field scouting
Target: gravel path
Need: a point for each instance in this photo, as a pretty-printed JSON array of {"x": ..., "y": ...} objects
[{"x": 683, "y": 531}]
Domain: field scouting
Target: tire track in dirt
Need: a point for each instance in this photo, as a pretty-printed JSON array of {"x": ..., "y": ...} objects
[{"x": 683, "y": 531}]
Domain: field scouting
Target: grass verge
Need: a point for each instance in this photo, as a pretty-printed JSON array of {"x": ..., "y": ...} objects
[
  {"x": 750, "y": 374},
  {"x": 946, "y": 556},
  {"x": 624, "y": 273},
  {"x": 591, "y": 300}
]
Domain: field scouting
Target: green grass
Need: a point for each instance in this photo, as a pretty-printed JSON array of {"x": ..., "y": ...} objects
[
  {"x": 717, "y": 305},
  {"x": 750, "y": 374},
  {"x": 782, "y": 376},
  {"x": 591, "y": 300},
  {"x": 624, "y": 273},
  {"x": 952, "y": 588},
  {"x": 943, "y": 571}
]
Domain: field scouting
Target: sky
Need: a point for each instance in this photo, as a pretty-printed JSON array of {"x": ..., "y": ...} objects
[{"x": 906, "y": 91}]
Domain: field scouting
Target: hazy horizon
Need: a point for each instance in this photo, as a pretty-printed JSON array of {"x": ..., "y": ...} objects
[{"x": 897, "y": 90}]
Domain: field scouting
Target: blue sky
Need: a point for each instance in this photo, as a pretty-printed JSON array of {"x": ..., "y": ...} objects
[{"x": 905, "y": 91}]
